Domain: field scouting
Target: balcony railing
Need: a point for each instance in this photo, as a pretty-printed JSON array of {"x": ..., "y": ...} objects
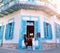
[
  {"x": 7, "y": 5},
  {"x": 28, "y": 2}
]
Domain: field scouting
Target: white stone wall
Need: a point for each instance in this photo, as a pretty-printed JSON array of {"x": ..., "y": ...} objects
[
  {"x": 43, "y": 17},
  {"x": 16, "y": 15}
]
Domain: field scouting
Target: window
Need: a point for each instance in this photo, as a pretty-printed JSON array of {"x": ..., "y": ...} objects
[
  {"x": 9, "y": 31},
  {"x": 57, "y": 30},
  {"x": 47, "y": 31}
]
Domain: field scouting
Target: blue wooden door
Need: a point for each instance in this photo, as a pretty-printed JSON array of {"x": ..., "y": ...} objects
[
  {"x": 22, "y": 33},
  {"x": 38, "y": 38}
]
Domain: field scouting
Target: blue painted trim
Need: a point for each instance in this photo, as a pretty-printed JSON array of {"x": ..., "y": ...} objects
[
  {"x": 29, "y": 16},
  {"x": 20, "y": 39},
  {"x": 47, "y": 31},
  {"x": 57, "y": 31},
  {"x": 23, "y": 26},
  {"x": 1, "y": 33},
  {"x": 30, "y": 2},
  {"x": 9, "y": 34}
]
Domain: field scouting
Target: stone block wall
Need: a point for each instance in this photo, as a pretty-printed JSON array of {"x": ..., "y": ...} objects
[{"x": 10, "y": 45}]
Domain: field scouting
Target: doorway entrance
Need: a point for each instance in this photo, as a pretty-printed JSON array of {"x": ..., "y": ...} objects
[
  {"x": 30, "y": 28},
  {"x": 29, "y": 33}
]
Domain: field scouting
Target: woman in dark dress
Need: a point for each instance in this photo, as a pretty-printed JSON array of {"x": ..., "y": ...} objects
[{"x": 25, "y": 40}]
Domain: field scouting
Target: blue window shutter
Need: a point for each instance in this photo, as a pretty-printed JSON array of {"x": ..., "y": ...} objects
[
  {"x": 12, "y": 30},
  {"x": 49, "y": 32},
  {"x": 7, "y": 32},
  {"x": 2, "y": 30},
  {"x": 36, "y": 26},
  {"x": 56, "y": 30},
  {"x": 23, "y": 28},
  {"x": 45, "y": 32},
  {"x": 1, "y": 34}
]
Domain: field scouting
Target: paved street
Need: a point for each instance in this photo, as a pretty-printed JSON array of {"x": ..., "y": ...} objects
[{"x": 5, "y": 50}]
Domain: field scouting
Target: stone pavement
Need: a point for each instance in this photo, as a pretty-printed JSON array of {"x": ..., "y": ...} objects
[{"x": 7, "y": 50}]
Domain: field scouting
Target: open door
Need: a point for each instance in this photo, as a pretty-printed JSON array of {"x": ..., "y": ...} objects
[{"x": 30, "y": 32}]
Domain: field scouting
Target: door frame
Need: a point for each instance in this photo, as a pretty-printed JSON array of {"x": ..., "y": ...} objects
[{"x": 29, "y": 18}]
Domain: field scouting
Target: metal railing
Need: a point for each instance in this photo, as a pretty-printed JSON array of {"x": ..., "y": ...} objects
[
  {"x": 32, "y": 2},
  {"x": 7, "y": 5}
]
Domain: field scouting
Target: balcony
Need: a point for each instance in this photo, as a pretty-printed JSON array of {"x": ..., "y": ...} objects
[{"x": 15, "y": 5}]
